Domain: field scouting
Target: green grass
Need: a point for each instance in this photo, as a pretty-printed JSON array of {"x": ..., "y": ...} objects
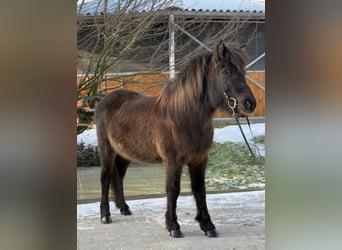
[{"x": 231, "y": 166}]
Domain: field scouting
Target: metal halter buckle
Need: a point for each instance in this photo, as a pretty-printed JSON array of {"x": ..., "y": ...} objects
[{"x": 232, "y": 103}]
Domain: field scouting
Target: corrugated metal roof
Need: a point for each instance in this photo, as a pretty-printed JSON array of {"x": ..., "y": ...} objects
[
  {"x": 95, "y": 7},
  {"x": 232, "y": 5}
]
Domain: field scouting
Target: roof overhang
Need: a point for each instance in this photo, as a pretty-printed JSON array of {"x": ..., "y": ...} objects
[{"x": 205, "y": 15}]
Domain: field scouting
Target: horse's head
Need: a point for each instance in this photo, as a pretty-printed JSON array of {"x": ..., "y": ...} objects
[{"x": 229, "y": 77}]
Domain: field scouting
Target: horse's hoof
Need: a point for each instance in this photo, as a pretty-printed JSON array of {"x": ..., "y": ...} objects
[
  {"x": 106, "y": 219},
  {"x": 176, "y": 233},
  {"x": 125, "y": 211},
  {"x": 211, "y": 233}
]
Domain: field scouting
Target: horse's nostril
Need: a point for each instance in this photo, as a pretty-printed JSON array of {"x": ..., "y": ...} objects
[{"x": 248, "y": 104}]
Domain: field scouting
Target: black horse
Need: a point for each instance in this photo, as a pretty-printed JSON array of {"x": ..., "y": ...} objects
[{"x": 174, "y": 128}]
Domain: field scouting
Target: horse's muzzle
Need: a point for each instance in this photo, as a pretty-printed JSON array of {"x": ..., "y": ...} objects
[{"x": 249, "y": 105}]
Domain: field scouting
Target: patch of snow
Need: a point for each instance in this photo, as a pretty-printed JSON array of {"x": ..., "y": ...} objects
[
  {"x": 256, "y": 185},
  {"x": 233, "y": 134},
  {"x": 88, "y": 137},
  {"x": 154, "y": 209}
]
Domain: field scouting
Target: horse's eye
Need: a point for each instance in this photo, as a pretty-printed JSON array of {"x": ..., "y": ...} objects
[{"x": 225, "y": 72}]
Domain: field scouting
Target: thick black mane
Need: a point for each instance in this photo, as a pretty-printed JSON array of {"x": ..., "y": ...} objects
[{"x": 185, "y": 94}]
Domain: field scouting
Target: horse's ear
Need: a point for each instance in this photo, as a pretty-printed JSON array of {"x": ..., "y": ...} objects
[{"x": 219, "y": 52}]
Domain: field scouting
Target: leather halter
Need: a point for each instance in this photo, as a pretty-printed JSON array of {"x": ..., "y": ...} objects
[{"x": 232, "y": 104}]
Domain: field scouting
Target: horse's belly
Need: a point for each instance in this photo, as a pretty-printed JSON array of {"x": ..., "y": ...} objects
[{"x": 136, "y": 152}]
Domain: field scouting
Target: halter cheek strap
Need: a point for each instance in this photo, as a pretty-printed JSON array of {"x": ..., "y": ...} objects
[{"x": 231, "y": 101}]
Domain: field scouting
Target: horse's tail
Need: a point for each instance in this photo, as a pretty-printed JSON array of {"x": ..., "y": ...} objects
[{"x": 101, "y": 130}]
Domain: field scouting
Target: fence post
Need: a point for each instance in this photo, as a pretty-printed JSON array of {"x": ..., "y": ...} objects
[{"x": 171, "y": 47}]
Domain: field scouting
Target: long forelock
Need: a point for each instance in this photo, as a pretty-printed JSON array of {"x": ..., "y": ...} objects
[{"x": 237, "y": 57}]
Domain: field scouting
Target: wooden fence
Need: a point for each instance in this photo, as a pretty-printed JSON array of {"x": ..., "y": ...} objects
[{"x": 151, "y": 84}]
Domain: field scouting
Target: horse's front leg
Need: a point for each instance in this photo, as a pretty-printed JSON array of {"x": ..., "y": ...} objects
[
  {"x": 173, "y": 175},
  {"x": 197, "y": 175}
]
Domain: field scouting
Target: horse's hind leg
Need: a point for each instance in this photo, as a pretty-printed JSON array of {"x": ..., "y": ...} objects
[
  {"x": 119, "y": 171},
  {"x": 197, "y": 175},
  {"x": 107, "y": 156},
  {"x": 107, "y": 161}
]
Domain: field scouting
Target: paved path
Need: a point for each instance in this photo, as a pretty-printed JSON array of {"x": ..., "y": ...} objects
[
  {"x": 141, "y": 180},
  {"x": 239, "y": 219}
]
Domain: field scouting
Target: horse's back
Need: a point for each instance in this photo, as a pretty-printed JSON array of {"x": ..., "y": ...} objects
[
  {"x": 114, "y": 100},
  {"x": 127, "y": 119}
]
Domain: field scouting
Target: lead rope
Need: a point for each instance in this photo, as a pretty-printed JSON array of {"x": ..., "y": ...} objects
[
  {"x": 232, "y": 104},
  {"x": 250, "y": 129},
  {"x": 244, "y": 137}
]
